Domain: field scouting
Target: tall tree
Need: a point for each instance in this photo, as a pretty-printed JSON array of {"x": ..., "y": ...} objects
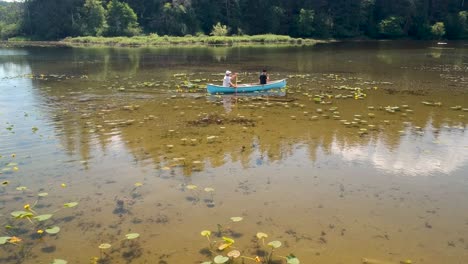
[
  {"x": 51, "y": 19},
  {"x": 121, "y": 19},
  {"x": 93, "y": 18}
]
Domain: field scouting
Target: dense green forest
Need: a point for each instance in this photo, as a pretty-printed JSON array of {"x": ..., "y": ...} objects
[{"x": 57, "y": 19}]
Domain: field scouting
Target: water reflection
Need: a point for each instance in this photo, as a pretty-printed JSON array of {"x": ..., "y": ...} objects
[
  {"x": 102, "y": 120},
  {"x": 427, "y": 154}
]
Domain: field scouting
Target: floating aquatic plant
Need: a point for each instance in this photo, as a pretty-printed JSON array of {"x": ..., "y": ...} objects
[
  {"x": 105, "y": 246},
  {"x": 275, "y": 244},
  {"x": 132, "y": 236},
  {"x": 59, "y": 261},
  {"x": 43, "y": 217},
  {"x": 207, "y": 234},
  {"x": 22, "y": 214},
  {"x": 220, "y": 259},
  {"x": 191, "y": 187},
  {"x": 262, "y": 236},
  {"x": 234, "y": 254},
  {"x": 227, "y": 242},
  {"x": 4, "y": 239},
  {"x": 236, "y": 219},
  {"x": 70, "y": 205},
  {"x": 52, "y": 230}
]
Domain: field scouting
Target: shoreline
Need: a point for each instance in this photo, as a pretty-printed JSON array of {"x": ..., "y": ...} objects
[{"x": 168, "y": 41}]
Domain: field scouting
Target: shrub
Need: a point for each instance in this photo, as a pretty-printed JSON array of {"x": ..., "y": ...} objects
[
  {"x": 219, "y": 30},
  {"x": 438, "y": 30},
  {"x": 391, "y": 27}
]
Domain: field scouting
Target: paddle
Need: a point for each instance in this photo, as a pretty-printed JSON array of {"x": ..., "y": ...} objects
[{"x": 236, "y": 84}]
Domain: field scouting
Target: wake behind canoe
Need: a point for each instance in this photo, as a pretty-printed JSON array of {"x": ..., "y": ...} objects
[{"x": 246, "y": 88}]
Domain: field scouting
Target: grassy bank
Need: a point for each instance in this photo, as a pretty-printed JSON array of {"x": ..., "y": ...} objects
[{"x": 155, "y": 40}]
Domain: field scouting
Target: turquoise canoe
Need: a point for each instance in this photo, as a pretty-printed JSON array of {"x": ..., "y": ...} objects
[{"x": 246, "y": 88}]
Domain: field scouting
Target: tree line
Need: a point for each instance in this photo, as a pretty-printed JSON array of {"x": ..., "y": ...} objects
[{"x": 57, "y": 19}]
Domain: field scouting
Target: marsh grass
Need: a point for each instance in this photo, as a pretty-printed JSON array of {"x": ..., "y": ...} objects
[{"x": 155, "y": 40}]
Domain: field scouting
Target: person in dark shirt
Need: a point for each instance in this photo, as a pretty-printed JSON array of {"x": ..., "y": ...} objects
[{"x": 264, "y": 77}]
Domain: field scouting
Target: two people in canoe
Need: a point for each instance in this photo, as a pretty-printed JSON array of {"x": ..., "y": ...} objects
[{"x": 230, "y": 79}]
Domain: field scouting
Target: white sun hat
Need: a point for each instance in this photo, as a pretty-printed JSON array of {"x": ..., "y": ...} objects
[{"x": 228, "y": 72}]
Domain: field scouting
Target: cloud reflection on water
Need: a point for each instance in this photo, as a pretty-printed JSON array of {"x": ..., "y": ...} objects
[{"x": 430, "y": 153}]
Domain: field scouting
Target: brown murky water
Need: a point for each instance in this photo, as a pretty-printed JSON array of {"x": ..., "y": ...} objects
[{"x": 364, "y": 155}]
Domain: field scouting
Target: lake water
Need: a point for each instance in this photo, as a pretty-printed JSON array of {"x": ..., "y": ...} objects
[{"x": 362, "y": 159}]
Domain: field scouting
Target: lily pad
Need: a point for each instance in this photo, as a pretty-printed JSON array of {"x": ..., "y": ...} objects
[
  {"x": 224, "y": 246},
  {"x": 209, "y": 189},
  {"x": 206, "y": 233},
  {"x": 237, "y": 219},
  {"x": 261, "y": 235},
  {"x": 221, "y": 259},
  {"x": 59, "y": 261},
  {"x": 132, "y": 236},
  {"x": 228, "y": 240},
  {"x": 53, "y": 230},
  {"x": 44, "y": 194},
  {"x": 4, "y": 239},
  {"x": 275, "y": 244},
  {"x": 21, "y": 188},
  {"x": 191, "y": 187},
  {"x": 70, "y": 205},
  {"x": 234, "y": 254},
  {"x": 293, "y": 260},
  {"x": 105, "y": 246},
  {"x": 21, "y": 214},
  {"x": 207, "y": 262},
  {"x": 42, "y": 217}
]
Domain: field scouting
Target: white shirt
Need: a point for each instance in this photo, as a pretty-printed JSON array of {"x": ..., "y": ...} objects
[{"x": 227, "y": 81}]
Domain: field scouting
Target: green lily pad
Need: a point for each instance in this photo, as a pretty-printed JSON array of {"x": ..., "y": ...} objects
[
  {"x": 105, "y": 246},
  {"x": 293, "y": 260},
  {"x": 21, "y": 214},
  {"x": 191, "y": 187},
  {"x": 228, "y": 240},
  {"x": 70, "y": 205},
  {"x": 236, "y": 219},
  {"x": 209, "y": 189},
  {"x": 44, "y": 194},
  {"x": 4, "y": 239},
  {"x": 53, "y": 230},
  {"x": 42, "y": 217},
  {"x": 21, "y": 188},
  {"x": 206, "y": 233},
  {"x": 220, "y": 259},
  {"x": 261, "y": 235},
  {"x": 132, "y": 236},
  {"x": 275, "y": 244},
  {"x": 207, "y": 262},
  {"x": 59, "y": 261}
]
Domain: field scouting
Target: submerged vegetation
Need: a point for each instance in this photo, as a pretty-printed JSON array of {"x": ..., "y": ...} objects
[
  {"x": 145, "y": 149},
  {"x": 265, "y": 253}
]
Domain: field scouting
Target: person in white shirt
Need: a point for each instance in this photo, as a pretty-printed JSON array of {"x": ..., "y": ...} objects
[{"x": 227, "y": 81}]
